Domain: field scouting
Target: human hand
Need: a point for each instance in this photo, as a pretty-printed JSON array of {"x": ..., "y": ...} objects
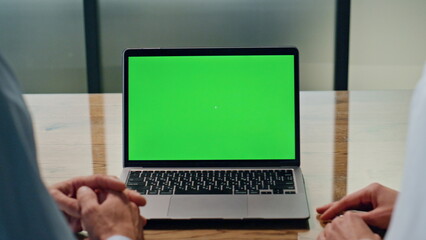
[
  {"x": 349, "y": 226},
  {"x": 115, "y": 215},
  {"x": 377, "y": 202},
  {"x": 65, "y": 194}
]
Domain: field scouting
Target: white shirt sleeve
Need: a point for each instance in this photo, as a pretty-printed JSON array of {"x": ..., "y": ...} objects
[
  {"x": 118, "y": 237},
  {"x": 409, "y": 217},
  {"x": 27, "y": 210}
]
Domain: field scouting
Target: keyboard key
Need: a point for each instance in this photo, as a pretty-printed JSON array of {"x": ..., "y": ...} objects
[
  {"x": 278, "y": 191},
  {"x": 135, "y": 174},
  {"x": 135, "y": 179},
  {"x": 152, "y": 192},
  {"x": 132, "y": 184},
  {"x": 142, "y": 188},
  {"x": 142, "y": 192},
  {"x": 240, "y": 192},
  {"x": 168, "y": 192},
  {"x": 132, "y": 187},
  {"x": 288, "y": 187},
  {"x": 254, "y": 191}
]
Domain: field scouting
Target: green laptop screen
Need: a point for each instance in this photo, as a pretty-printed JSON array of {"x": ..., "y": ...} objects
[{"x": 211, "y": 107}]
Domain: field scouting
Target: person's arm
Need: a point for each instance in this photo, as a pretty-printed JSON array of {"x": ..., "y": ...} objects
[
  {"x": 375, "y": 202},
  {"x": 65, "y": 195},
  {"x": 409, "y": 217},
  {"x": 115, "y": 215},
  {"x": 27, "y": 211}
]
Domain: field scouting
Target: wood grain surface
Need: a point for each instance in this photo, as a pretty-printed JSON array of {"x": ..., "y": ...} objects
[{"x": 348, "y": 140}]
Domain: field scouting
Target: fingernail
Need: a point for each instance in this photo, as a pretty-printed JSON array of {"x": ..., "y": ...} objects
[{"x": 83, "y": 189}]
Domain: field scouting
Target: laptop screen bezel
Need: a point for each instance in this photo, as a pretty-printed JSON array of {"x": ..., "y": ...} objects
[{"x": 210, "y": 52}]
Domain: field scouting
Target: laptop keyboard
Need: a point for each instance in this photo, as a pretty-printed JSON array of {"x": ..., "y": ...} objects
[{"x": 212, "y": 182}]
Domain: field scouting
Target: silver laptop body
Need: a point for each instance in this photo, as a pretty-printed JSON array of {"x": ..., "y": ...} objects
[{"x": 155, "y": 80}]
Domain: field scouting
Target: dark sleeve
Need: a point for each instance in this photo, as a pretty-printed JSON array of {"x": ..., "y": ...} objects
[{"x": 27, "y": 210}]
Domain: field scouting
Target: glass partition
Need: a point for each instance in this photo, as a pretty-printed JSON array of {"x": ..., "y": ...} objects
[
  {"x": 306, "y": 24},
  {"x": 43, "y": 42},
  {"x": 387, "y": 44}
]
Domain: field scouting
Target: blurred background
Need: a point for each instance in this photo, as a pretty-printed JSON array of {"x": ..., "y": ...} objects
[{"x": 44, "y": 40}]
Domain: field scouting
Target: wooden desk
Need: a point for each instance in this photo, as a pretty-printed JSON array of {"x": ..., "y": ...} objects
[{"x": 348, "y": 140}]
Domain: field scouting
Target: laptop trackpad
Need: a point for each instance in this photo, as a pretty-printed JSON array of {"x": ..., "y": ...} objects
[{"x": 208, "y": 206}]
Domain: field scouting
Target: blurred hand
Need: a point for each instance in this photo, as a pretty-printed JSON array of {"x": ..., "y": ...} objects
[
  {"x": 65, "y": 194},
  {"x": 116, "y": 215},
  {"x": 349, "y": 226},
  {"x": 376, "y": 201}
]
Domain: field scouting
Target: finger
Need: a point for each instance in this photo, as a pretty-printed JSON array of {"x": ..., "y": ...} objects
[
  {"x": 99, "y": 181},
  {"x": 327, "y": 230},
  {"x": 75, "y": 224},
  {"x": 65, "y": 203},
  {"x": 102, "y": 194},
  {"x": 321, "y": 236},
  {"x": 66, "y": 187},
  {"x": 323, "y": 208},
  {"x": 144, "y": 221},
  {"x": 134, "y": 208},
  {"x": 136, "y": 216},
  {"x": 141, "y": 222},
  {"x": 87, "y": 199},
  {"x": 135, "y": 197},
  {"x": 354, "y": 218},
  {"x": 377, "y": 236},
  {"x": 113, "y": 196},
  {"x": 356, "y": 200},
  {"x": 337, "y": 220},
  {"x": 374, "y": 217}
]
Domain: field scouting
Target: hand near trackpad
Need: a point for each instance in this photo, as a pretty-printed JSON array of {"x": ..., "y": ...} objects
[{"x": 208, "y": 206}]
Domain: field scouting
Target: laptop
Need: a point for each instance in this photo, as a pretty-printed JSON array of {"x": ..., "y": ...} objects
[{"x": 213, "y": 133}]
